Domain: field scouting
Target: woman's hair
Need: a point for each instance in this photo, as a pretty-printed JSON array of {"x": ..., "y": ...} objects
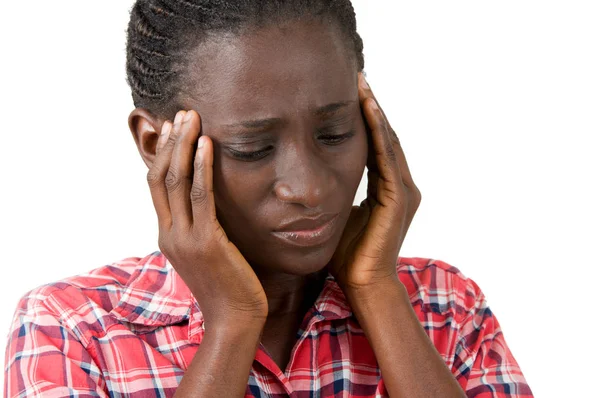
[{"x": 161, "y": 34}]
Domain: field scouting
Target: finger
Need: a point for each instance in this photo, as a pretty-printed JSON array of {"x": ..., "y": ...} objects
[
  {"x": 164, "y": 136},
  {"x": 202, "y": 194},
  {"x": 406, "y": 176},
  {"x": 365, "y": 92},
  {"x": 372, "y": 172},
  {"x": 371, "y": 199},
  {"x": 390, "y": 179},
  {"x": 180, "y": 174},
  {"x": 156, "y": 179}
]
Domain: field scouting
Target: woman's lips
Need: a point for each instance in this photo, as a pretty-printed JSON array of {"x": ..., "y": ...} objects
[{"x": 308, "y": 238}]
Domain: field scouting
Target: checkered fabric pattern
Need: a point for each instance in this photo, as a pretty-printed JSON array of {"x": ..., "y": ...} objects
[{"x": 131, "y": 329}]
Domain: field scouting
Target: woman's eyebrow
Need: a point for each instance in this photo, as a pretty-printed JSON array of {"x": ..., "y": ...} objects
[
  {"x": 263, "y": 124},
  {"x": 332, "y": 108}
]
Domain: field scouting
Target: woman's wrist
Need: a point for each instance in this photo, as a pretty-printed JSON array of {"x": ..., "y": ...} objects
[
  {"x": 220, "y": 366},
  {"x": 372, "y": 295},
  {"x": 231, "y": 327}
]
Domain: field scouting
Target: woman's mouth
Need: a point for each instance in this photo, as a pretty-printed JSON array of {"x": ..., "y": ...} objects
[{"x": 308, "y": 238}]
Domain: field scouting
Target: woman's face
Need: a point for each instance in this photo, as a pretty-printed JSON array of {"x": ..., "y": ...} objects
[{"x": 280, "y": 93}]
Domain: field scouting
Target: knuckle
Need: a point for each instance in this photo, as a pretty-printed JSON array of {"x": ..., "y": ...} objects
[
  {"x": 198, "y": 195},
  {"x": 153, "y": 177},
  {"x": 417, "y": 195},
  {"x": 172, "y": 180},
  {"x": 171, "y": 140},
  {"x": 163, "y": 245},
  {"x": 417, "y": 192},
  {"x": 175, "y": 134}
]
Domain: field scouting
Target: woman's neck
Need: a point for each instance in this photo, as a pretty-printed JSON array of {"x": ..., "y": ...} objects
[{"x": 291, "y": 294}]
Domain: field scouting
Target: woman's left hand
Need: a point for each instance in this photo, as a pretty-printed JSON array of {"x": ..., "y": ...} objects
[{"x": 368, "y": 250}]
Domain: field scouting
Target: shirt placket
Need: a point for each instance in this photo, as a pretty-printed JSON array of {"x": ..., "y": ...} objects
[{"x": 276, "y": 375}]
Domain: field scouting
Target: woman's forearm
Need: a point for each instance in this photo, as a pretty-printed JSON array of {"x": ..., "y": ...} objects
[
  {"x": 222, "y": 363},
  {"x": 409, "y": 362}
]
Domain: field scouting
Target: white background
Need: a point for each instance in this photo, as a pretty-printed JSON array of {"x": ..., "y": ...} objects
[{"x": 497, "y": 105}]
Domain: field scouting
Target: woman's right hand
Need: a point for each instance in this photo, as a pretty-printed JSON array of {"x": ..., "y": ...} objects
[{"x": 190, "y": 236}]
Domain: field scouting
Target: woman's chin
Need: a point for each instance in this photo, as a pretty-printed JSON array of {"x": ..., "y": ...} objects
[{"x": 299, "y": 262}]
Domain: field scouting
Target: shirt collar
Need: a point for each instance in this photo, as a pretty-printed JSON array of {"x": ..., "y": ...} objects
[{"x": 155, "y": 296}]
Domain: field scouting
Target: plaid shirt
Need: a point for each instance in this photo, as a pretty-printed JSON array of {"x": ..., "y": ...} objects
[{"x": 132, "y": 328}]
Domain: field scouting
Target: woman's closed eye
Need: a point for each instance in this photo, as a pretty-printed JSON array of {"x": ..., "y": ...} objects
[{"x": 328, "y": 139}]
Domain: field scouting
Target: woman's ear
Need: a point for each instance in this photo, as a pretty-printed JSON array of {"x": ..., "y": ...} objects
[{"x": 145, "y": 128}]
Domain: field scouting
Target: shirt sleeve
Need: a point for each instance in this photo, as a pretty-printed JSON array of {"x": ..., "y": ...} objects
[
  {"x": 483, "y": 363},
  {"x": 44, "y": 358}
]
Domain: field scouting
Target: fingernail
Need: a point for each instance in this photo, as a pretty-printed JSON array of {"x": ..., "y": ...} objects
[
  {"x": 188, "y": 117},
  {"x": 164, "y": 136},
  {"x": 201, "y": 142},
  {"x": 363, "y": 82},
  {"x": 179, "y": 117}
]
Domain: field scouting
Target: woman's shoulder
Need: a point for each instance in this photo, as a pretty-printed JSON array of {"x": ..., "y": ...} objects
[
  {"x": 87, "y": 297},
  {"x": 140, "y": 293},
  {"x": 439, "y": 287},
  {"x": 107, "y": 277}
]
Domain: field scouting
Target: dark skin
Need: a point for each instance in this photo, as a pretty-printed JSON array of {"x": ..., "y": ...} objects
[
  {"x": 236, "y": 83},
  {"x": 202, "y": 196}
]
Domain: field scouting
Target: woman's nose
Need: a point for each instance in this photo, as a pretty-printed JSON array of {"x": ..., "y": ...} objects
[{"x": 303, "y": 178}]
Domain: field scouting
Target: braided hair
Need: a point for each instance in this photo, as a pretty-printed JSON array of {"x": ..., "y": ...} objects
[{"x": 162, "y": 32}]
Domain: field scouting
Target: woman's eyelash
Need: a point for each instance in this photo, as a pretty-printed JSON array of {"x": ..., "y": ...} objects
[
  {"x": 337, "y": 139},
  {"x": 250, "y": 155}
]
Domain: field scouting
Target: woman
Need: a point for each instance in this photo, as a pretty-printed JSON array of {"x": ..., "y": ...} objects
[{"x": 256, "y": 124}]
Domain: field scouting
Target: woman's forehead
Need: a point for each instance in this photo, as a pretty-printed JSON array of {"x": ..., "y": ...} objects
[{"x": 304, "y": 65}]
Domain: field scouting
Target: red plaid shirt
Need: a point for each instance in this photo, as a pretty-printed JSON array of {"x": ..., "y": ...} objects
[{"x": 132, "y": 328}]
